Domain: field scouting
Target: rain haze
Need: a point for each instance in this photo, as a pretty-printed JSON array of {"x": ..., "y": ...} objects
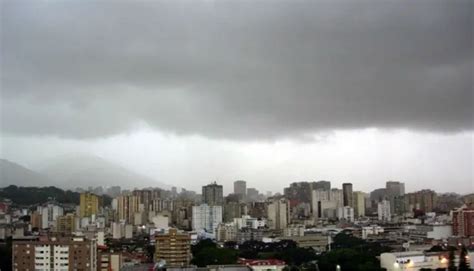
[{"x": 271, "y": 92}]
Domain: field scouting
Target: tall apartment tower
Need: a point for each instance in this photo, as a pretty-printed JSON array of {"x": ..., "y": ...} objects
[
  {"x": 240, "y": 188},
  {"x": 347, "y": 194},
  {"x": 212, "y": 194},
  {"x": 89, "y": 204},
  {"x": 173, "y": 247},
  {"x": 359, "y": 203}
]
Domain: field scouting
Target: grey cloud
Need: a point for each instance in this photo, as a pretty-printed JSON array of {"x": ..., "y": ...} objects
[{"x": 235, "y": 69}]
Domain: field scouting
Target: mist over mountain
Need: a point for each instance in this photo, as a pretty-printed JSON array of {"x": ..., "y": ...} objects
[
  {"x": 82, "y": 170},
  {"x": 72, "y": 171},
  {"x": 13, "y": 173}
]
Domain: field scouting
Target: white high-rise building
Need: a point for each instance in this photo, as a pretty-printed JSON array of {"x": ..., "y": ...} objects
[
  {"x": 383, "y": 210},
  {"x": 49, "y": 214},
  {"x": 206, "y": 218}
]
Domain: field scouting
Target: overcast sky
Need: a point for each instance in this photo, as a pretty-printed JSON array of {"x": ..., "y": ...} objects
[{"x": 271, "y": 92}]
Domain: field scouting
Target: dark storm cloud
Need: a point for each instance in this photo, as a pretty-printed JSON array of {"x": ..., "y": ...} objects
[{"x": 235, "y": 69}]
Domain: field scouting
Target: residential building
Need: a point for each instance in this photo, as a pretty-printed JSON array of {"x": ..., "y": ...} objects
[
  {"x": 59, "y": 254},
  {"x": 173, "y": 247},
  {"x": 463, "y": 221}
]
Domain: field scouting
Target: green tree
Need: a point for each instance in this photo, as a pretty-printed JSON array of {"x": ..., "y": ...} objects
[{"x": 214, "y": 256}]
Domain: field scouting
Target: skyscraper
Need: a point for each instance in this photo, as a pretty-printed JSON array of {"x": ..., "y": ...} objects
[
  {"x": 347, "y": 194},
  {"x": 212, "y": 194},
  {"x": 240, "y": 188}
]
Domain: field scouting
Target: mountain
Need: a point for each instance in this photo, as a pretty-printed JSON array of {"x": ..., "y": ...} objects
[
  {"x": 12, "y": 173},
  {"x": 80, "y": 170}
]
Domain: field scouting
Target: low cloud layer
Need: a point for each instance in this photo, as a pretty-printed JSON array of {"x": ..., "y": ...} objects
[{"x": 235, "y": 69}]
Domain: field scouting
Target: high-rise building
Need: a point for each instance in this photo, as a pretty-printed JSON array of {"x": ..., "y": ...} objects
[
  {"x": 359, "y": 203},
  {"x": 383, "y": 210},
  {"x": 206, "y": 218},
  {"x": 55, "y": 254},
  {"x": 278, "y": 212},
  {"x": 89, "y": 204},
  {"x": 240, "y": 188},
  {"x": 347, "y": 194},
  {"x": 212, "y": 194},
  {"x": 463, "y": 221},
  {"x": 174, "y": 248}
]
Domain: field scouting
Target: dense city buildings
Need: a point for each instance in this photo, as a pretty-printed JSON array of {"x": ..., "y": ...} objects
[
  {"x": 173, "y": 247},
  {"x": 170, "y": 222}
]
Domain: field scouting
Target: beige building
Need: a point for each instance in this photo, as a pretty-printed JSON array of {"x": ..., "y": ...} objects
[
  {"x": 359, "y": 203},
  {"x": 173, "y": 247}
]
